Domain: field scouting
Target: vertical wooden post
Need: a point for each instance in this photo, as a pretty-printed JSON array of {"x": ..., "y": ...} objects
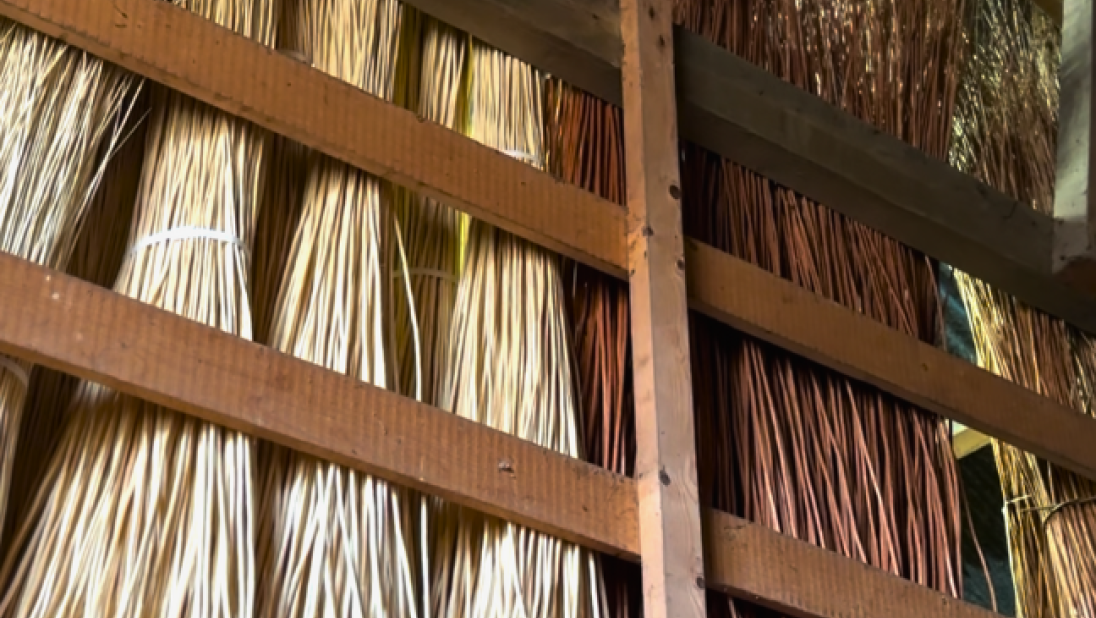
[
  {"x": 1074, "y": 257},
  {"x": 669, "y": 517}
]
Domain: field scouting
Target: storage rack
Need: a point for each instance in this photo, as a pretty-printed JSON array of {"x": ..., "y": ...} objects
[{"x": 723, "y": 104}]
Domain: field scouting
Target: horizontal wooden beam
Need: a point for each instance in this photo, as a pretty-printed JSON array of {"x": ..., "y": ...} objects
[
  {"x": 791, "y": 317},
  {"x": 752, "y": 562},
  {"x": 70, "y": 325},
  {"x": 167, "y": 43},
  {"x": 196, "y": 57},
  {"x": 750, "y": 116}
]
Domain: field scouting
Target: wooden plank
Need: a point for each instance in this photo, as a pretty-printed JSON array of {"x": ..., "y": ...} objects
[
  {"x": 66, "y": 324},
  {"x": 799, "y": 580},
  {"x": 780, "y": 312},
  {"x": 669, "y": 516},
  {"x": 1074, "y": 251},
  {"x": 192, "y": 55}
]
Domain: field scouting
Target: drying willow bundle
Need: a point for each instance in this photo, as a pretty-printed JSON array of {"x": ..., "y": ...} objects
[
  {"x": 144, "y": 511},
  {"x": 428, "y": 232},
  {"x": 335, "y": 541},
  {"x": 585, "y": 147},
  {"x": 96, "y": 257},
  {"x": 801, "y": 449},
  {"x": 62, "y": 112},
  {"x": 511, "y": 369},
  {"x": 1006, "y": 125}
]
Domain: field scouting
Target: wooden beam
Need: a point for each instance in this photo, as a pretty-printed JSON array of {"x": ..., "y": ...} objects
[
  {"x": 782, "y": 313},
  {"x": 69, "y": 325},
  {"x": 669, "y": 516},
  {"x": 803, "y": 581},
  {"x": 72, "y": 326},
  {"x": 196, "y": 57},
  {"x": 1074, "y": 252}
]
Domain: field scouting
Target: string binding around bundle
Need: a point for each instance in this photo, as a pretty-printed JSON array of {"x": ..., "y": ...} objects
[
  {"x": 1049, "y": 510},
  {"x": 531, "y": 159},
  {"x": 191, "y": 233}
]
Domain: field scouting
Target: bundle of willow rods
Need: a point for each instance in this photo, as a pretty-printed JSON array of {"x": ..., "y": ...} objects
[
  {"x": 1005, "y": 135},
  {"x": 96, "y": 257},
  {"x": 781, "y": 441},
  {"x": 511, "y": 369},
  {"x": 144, "y": 511},
  {"x": 62, "y": 112},
  {"x": 585, "y": 147},
  {"x": 336, "y": 541}
]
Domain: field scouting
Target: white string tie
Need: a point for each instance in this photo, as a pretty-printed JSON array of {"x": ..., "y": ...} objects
[
  {"x": 427, "y": 272},
  {"x": 525, "y": 156},
  {"x": 190, "y": 233},
  {"x": 16, "y": 370}
]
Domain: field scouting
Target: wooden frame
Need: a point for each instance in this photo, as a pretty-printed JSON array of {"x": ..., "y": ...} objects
[
  {"x": 669, "y": 518},
  {"x": 56, "y": 321}
]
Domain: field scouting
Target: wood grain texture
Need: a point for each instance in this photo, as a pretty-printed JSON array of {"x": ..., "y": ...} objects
[
  {"x": 801, "y": 580},
  {"x": 93, "y": 333},
  {"x": 1074, "y": 246},
  {"x": 66, "y": 324},
  {"x": 669, "y": 515},
  {"x": 782, "y": 313},
  {"x": 187, "y": 53}
]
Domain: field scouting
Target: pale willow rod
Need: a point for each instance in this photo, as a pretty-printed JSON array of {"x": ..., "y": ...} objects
[
  {"x": 336, "y": 541},
  {"x": 96, "y": 257},
  {"x": 512, "y": 369},
  {"x": 144, "y": 511},
  {"x": 431, "y": 237},
  {"x": 62, "y": 112}
]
